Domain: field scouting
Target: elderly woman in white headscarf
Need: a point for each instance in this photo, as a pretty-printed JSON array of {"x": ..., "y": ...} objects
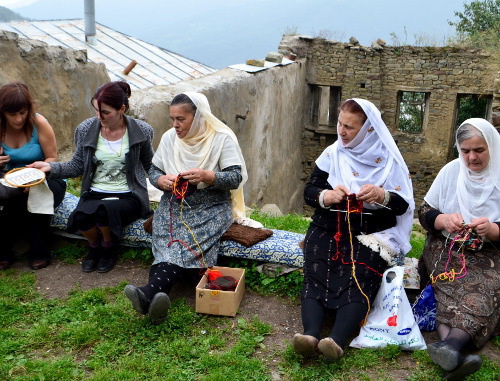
[
  {"x": 363, "y": 196},
  {"x": 465, "y": 196},
  {"x": 200, "y": 154}
]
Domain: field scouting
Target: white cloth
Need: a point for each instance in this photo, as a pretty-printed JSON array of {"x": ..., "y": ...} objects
[
  {"x": 41, "y": 199},
  {"x": 372, "y": 157},
  {"x": 456, "y": 189},
  {"x": 202, "y": 148}
]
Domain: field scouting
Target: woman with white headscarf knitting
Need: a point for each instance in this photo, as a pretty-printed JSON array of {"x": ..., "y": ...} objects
[
  {"x": 464, "y": 198},
  {"x": 200, "y": 168},
  {"x": 345, "y": 254}
]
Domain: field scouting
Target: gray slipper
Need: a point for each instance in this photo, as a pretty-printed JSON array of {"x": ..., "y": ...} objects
[
  {"x": 137, "y": 298},
  {"x": 330, "y": 349},
  {"x": 444, "y": 355},
  {"x": 158, "y": 309},
  {"x": 471, "y": 364},
  {"x": 305, "y": 345}
]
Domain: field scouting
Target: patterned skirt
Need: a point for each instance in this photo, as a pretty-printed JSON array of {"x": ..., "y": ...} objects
[
  {"x": 469, "y": 303},
  {"x": 188, "y": 235}
]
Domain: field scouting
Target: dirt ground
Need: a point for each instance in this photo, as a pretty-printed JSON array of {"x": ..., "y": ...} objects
[{"x": 57, "y": 280}]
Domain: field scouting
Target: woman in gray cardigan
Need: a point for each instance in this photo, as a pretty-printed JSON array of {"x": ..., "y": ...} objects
[{"x": 113, "y": 154}]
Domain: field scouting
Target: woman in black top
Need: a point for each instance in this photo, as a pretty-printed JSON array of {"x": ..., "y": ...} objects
[{"x": 363, "y": 196}]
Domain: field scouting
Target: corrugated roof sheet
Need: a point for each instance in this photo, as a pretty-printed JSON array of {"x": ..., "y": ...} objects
[{"x": 155, "y": 65}]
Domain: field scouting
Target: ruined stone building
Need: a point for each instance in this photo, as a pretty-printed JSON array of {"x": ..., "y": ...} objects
[
  {"x": 438, "y": 79},
  {"x": 285, "y": 116}
]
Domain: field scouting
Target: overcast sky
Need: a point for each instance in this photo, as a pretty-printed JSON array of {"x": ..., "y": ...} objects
[{"x": 225, "y": 32}]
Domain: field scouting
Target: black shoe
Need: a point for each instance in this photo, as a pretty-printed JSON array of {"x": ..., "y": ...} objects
[
  {"x": 39, "y": 264},
  {"x": 444, "y": 355},
  {"x": 158, "y": 309},
  {"x": 6, "y": 262},
  {"x": 471, "y": 364},
  {"x": 106, "y": 263},
  {"x": 90, "y": 262},
  {"x": 137, "y": 298}
]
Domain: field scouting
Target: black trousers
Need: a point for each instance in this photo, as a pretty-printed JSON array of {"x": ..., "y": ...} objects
[{"x": 17, "y": 223}]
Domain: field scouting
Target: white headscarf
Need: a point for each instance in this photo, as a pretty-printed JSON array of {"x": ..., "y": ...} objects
[
  {"x": 372, "y": 157},
  {"x": 457, "y": 189},
  {"x": 202, "y": 148}
]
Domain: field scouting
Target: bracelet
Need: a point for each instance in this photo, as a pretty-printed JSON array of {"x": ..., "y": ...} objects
[
  {"x": 321, "y": 198},
  {"x": 387, "y": 197}
]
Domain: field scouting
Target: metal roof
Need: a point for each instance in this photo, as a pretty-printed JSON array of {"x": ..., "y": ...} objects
[{"x": 155, "y": 65}]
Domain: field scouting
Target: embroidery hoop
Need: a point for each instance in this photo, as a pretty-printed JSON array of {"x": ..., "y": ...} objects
[{"x": 29, "y": 177}]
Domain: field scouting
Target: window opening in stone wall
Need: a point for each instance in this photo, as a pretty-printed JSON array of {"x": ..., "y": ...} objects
[
  {"x": 412, "y": 108},
  {"x": 469, "y": 106},
  {"x": 325, "y": 104}
]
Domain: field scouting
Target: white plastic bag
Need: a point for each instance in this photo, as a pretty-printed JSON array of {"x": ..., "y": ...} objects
[{"x": 391, "y": 319}]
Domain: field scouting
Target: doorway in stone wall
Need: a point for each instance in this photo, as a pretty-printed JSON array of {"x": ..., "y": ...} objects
[{"x": 468, "y": 106}]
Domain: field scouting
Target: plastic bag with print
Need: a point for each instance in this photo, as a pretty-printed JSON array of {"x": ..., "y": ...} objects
[{"x": 391, "y": 319}]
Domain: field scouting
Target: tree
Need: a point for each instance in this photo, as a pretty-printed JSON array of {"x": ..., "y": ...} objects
[{"x": 477, "y": 17}]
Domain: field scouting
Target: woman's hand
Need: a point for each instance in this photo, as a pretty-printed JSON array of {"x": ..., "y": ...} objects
[
  {"x": 452, "y": 223},
  {"x": 485, "y": 228},
  {"x": 198, "y": 175},
  {"x": 336, "y": 195},
  {"x": 166, "y": 182},
  {"x": 370, "y": 193},
  {"x": 41, "y": 165},
  {"x": 4, "y": 159}
]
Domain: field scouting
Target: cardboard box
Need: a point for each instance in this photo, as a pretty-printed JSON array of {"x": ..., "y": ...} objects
[{"x": 216, "y": 302}]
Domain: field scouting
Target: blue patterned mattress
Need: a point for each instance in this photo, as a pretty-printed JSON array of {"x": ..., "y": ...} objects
[{"x": 282, "y": 247}]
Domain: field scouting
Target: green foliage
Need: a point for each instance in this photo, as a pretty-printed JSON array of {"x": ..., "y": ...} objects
[
  {"x": 286, "y": 285},
  {"x": 417, "y": 241},
  {"x": 74, "y": 186},
  {"x": 291, "y": 222},
  {"x": 411, "y": 111},
  {"x": 478, "y": 17}
]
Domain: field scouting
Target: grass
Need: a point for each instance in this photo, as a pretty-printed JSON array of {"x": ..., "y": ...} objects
[{"x": 95, "y": 335}]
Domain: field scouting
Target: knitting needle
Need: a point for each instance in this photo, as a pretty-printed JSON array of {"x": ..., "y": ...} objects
[
  {"x": 382, "y": 206},
  {"x": 345, "y": 211}
]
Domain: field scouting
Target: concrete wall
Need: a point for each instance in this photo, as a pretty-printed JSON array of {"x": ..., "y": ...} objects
[
  {"x": 61, "y": 81},
  {"x": 265, "y": 111}
]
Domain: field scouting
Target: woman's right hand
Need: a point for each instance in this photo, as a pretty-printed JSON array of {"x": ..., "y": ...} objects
[
  {"x": 336, "y": 195},
  {"x": 41, "y": 165},
  {"x": 452, "y": 223},
  {"x": 166, "y": 182},
  {"x": 4, "y": 159}
]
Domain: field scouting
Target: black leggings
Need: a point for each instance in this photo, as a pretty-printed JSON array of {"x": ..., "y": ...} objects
[
  {"x": 164, "y": 275},
  {"x": 347, "y": 319}
]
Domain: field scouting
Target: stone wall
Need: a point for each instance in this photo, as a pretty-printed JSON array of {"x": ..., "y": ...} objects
[
  {"x": 61, "y": 81},
  {"x": 265, "y": 110},
  {"x": 378, "y": 74},
  {"x": 274, "y": 112}
]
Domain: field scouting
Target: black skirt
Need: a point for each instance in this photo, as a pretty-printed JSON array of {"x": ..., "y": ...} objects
[
  {"x": 328, "y": 270},
  {"x": 121, "y": 208}
]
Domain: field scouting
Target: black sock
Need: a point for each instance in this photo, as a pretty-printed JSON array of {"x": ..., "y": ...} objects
[
  {"x": 313, "y": 314},
  {"x": 162, "y": 278},
  {"x": 457, "y": 338},
  {"x": 347, "y": 321}
]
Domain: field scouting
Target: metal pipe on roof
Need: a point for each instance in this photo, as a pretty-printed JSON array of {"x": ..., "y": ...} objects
[
  {"x": 129, "y": 67},
  {"x": 89, "y": 21}
]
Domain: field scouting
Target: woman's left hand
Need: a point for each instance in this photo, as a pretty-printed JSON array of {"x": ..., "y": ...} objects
[
  {"x": 370, "y": 193},
  {"x": 198, "y": 175},
  {"x": 482, "y": 226}
]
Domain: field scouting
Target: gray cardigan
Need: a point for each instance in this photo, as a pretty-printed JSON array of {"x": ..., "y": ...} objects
[{"x": 137, "y": 160}]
